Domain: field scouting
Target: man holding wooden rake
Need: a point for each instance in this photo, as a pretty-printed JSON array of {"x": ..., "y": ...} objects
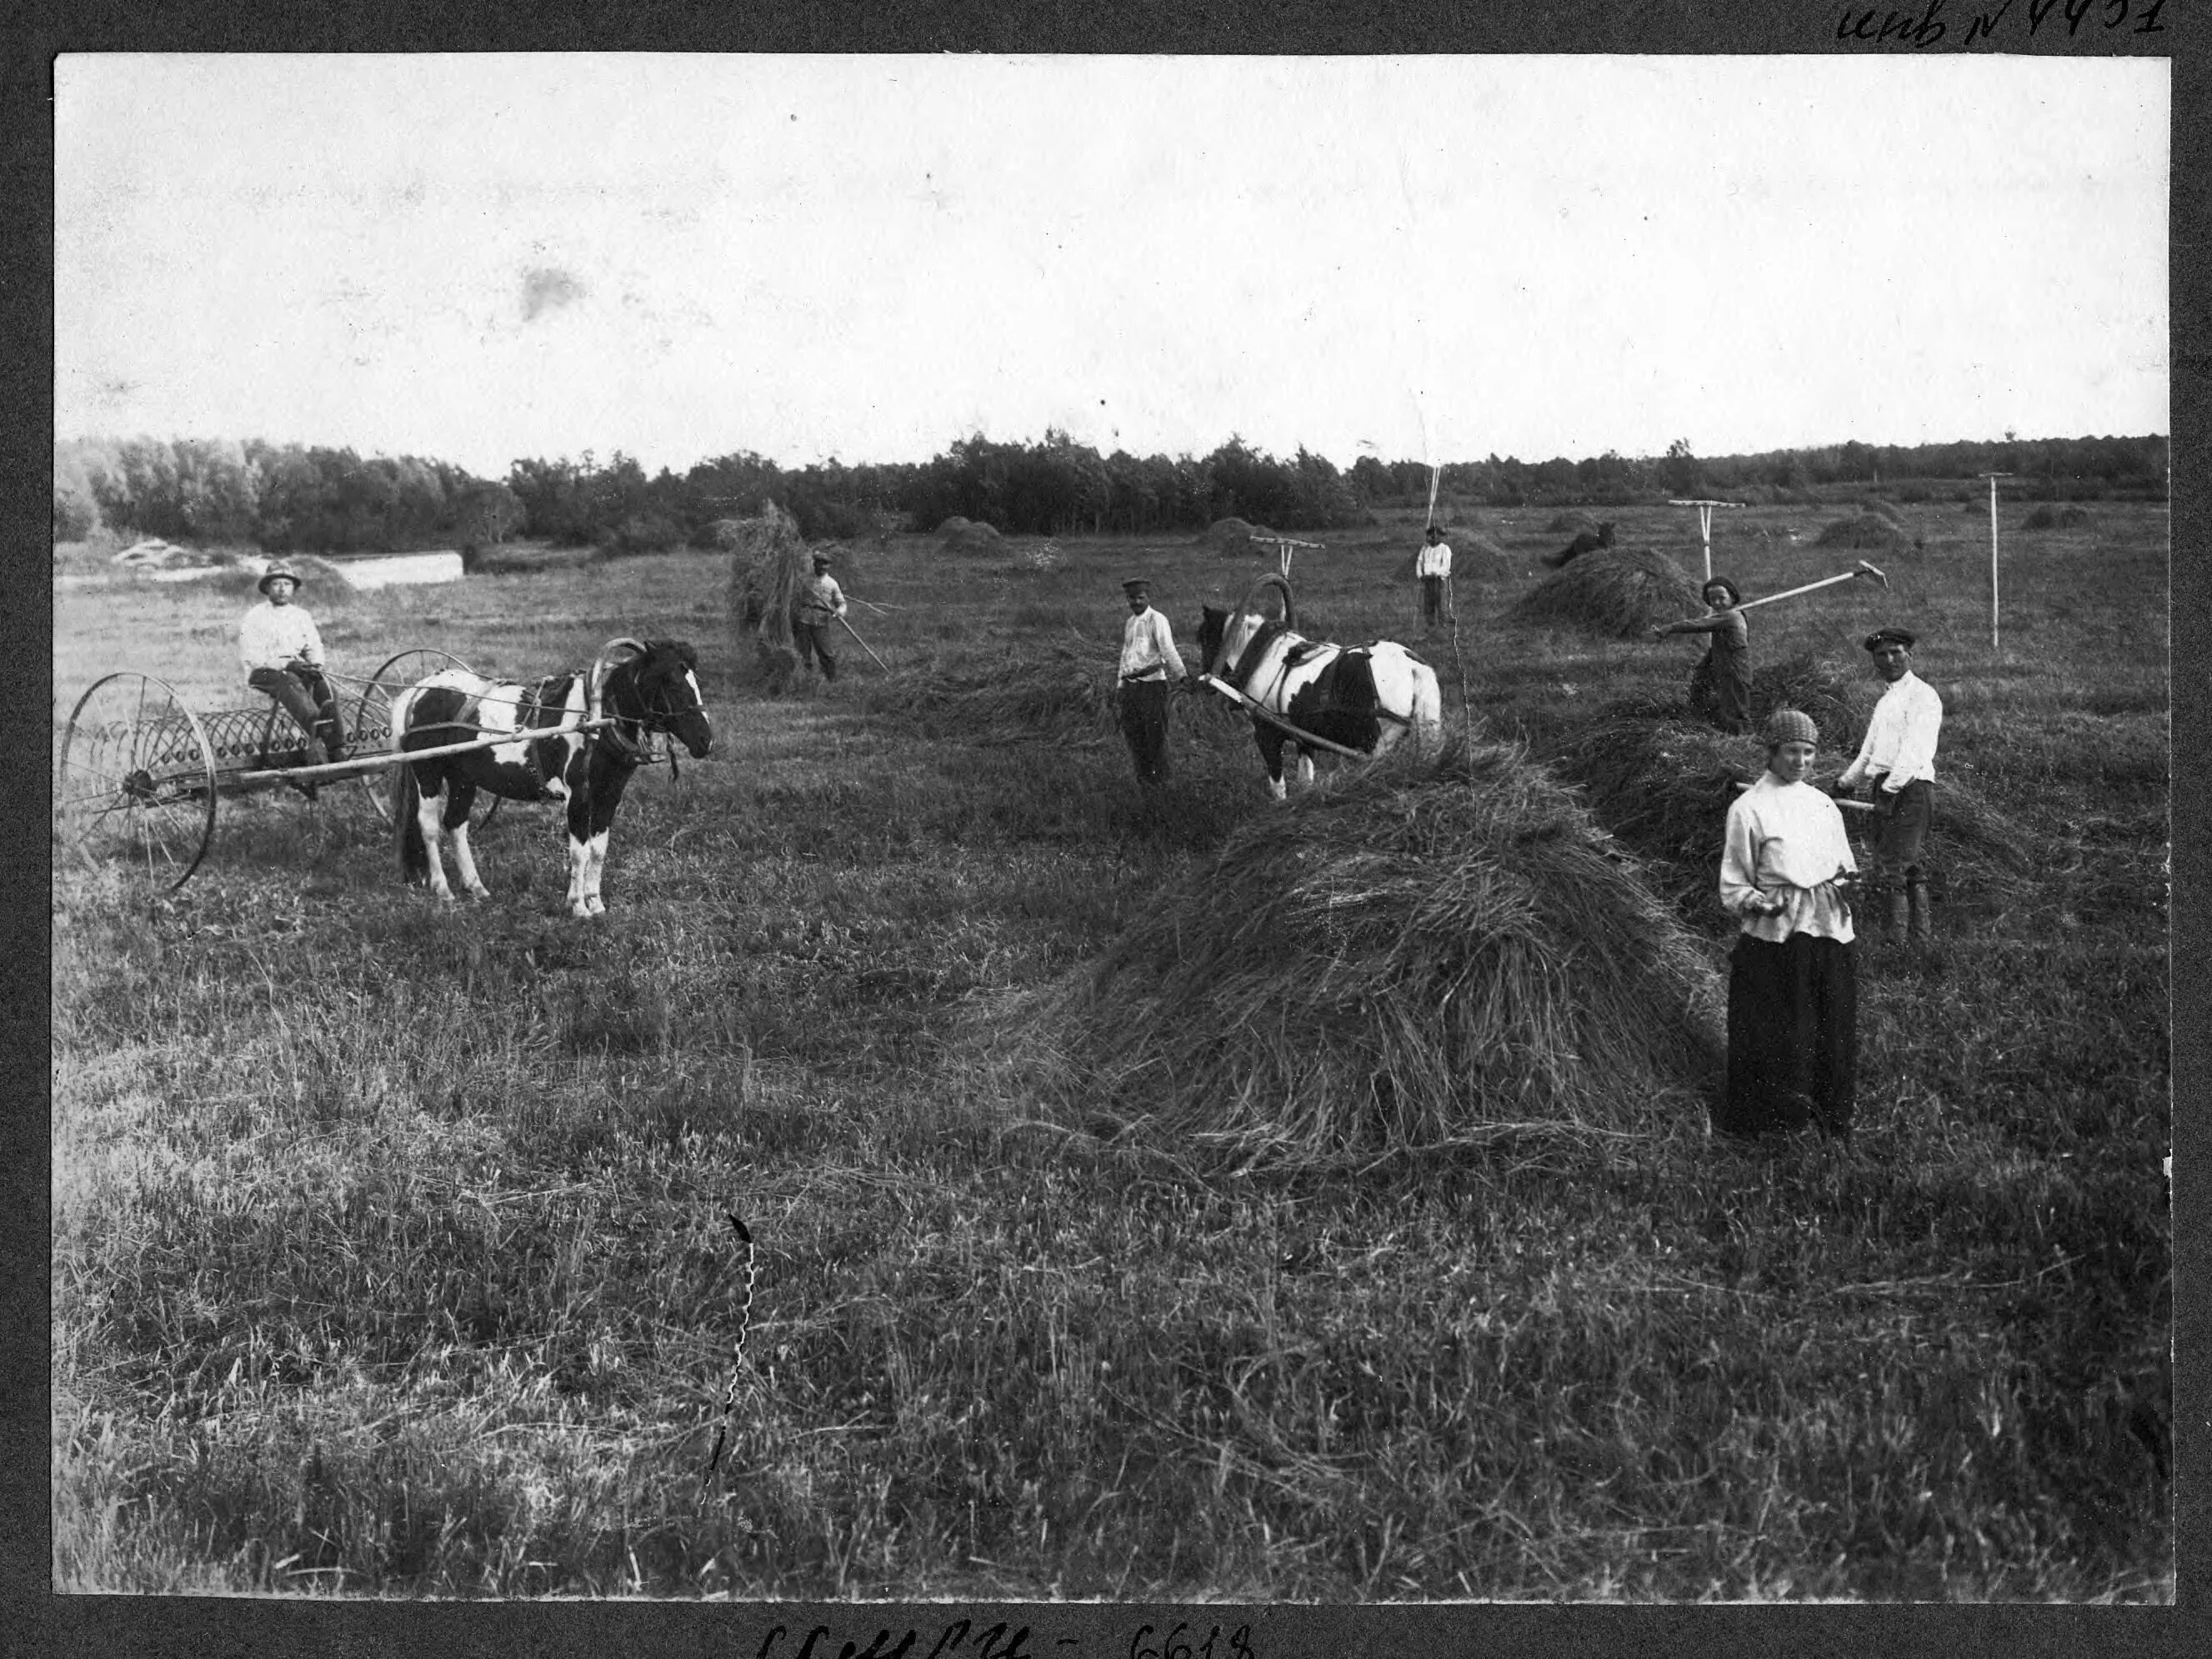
[{"x": 1897, "y": 761}]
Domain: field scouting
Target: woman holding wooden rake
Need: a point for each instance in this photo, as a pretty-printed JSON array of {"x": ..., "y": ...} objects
[
  {"x": 1720, "y": 685},
  {"x": 1787, "y": 871}
]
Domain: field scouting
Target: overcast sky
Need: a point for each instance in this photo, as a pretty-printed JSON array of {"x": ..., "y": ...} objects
[{"x": 485, "y": 257}]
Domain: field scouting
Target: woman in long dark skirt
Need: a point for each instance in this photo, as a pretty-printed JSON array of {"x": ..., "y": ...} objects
[
  {"x": 1720, "y": 685},
  {"x": 1787, "y": 870}
]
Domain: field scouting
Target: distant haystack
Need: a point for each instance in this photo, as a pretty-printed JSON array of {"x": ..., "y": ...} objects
[
  {"x": 1471, "y": 553},
  {"x": 1436, "y": 954},
  {"x": 1572, "y": 522},
  {"x": 1866, "y": 532},
  {"x": 1619, "y": 590},
  {"x": 1232, "y": 537},
  {"x": 2063, "y": 515},
  {"x": 1882, "y": 509},
  {"x": 970, "y": 536},
  {"x": 768, "y": 564}
]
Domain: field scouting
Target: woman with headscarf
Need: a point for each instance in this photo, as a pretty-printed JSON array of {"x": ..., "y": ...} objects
[
  {"x": 1720, "y": 685},
  {"x": 1786, "y": 872}
]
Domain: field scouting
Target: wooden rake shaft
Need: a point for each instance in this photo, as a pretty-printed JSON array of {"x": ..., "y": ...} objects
[
  {"x": 1863, "y": 569},
  {"x": 863, "y": 644}
]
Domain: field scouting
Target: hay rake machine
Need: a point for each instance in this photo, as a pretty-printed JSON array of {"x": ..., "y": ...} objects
[{"x": 137, "y": 774}]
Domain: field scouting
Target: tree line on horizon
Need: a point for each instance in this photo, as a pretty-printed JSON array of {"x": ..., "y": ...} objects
[{"x": 290, "y": 498}]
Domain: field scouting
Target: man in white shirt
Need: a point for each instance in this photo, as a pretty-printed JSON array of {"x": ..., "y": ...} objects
[
  {"x": 282, "y": 652},
  {"x": 820, "y": 602},
  {"x": 1897, "y": 760},
  {"x": 1150, "y": 664},
  {"x": 1432, "y": 564}
]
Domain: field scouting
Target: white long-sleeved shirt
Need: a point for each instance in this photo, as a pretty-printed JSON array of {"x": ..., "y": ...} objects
[
  {"x": 1433, "y": 560},
  {"x": 1786, "y": 840},
  {"x": 274, "y": 635},
  {"x": 1148, "y": 646},
  {"x": 1900, "y": 746}
]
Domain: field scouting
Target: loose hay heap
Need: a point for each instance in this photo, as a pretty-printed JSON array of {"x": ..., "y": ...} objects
[
  {"x": 1869, "y": 531},
  {"x": 959, "y": 535},
  {"x": 1620, "y": 590},
  {"x": 2056, "y": 516},
  {"x": 1436, "y": 954},
  {"x": 1062, "y": 692},
  {"x": 769, "y": 564},
  {"x": 1661, "y": 782}
]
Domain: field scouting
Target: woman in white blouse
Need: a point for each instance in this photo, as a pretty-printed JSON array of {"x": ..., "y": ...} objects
[{"x": 1787, "y": 871}]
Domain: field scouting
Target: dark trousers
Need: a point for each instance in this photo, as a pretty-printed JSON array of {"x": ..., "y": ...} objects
[
  {"x": 1900, "y": 835},
  {"x": 1792, "y": 1047},
  {"x": 1144, "y": 713},
  {"x": 1432, "y": 599},
  {"x": 307, "y": 698},
  {"x": 812, "y": 640}
]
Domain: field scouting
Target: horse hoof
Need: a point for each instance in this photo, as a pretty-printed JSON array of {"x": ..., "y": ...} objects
[{"x": 479, "y": 892}]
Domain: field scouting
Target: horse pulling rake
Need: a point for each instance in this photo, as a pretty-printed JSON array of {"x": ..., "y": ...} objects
[{"x": 138, "y": 774}]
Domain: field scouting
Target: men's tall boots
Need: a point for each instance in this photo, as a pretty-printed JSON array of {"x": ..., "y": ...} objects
[{"x": 1923, "y": 923}]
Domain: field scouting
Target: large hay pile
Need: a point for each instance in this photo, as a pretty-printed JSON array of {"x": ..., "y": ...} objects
[
  {"x": 1869, "y": 531},
  {"x": 769, "y": 563},
  {"x": 958, "y": 535},
  {"x": 1437, "y": 953},
  {"x": 1661, "y": 782},
  {"x": 2056, "y": 516},
  {"x": 1620, "y": 590}
]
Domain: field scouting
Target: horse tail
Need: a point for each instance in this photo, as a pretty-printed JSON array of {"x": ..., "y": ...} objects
[{"x": 406, "y": 812}]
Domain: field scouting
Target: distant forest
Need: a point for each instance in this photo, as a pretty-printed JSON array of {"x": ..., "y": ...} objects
[{"x": 285, "y": 498}]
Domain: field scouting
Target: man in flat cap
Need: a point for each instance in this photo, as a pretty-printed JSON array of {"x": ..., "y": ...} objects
[
  {"x": 283, "y": 652},
  {"x": 1896, "y": 761},
  {"x": 819, "y": 605},
  {"x": 1150, "y": 664}
]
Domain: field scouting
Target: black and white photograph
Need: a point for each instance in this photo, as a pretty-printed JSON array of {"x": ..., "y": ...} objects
[{"x": 1174, "y": 831}]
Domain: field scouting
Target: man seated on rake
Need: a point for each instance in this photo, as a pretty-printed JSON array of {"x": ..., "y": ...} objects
[{"x": 283, "y": 658}]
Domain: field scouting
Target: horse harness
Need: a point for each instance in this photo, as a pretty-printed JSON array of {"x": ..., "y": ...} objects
[{"x": 1300, "y": 652}]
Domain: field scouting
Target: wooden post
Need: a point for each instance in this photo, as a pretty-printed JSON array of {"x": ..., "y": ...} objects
[
  {"x": 1993, "y": 477},
  {"x": 1705, "y": 526}
]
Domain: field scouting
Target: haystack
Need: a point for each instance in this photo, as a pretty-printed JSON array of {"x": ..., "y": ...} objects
[
  {"x": 1572, "y": 522},
  {"x": 1062, "y": 692},
  {"x": 1661, "y": 782},
  {"x": 2058, "y": 515},
  {"x": 1869, "y": 531},
  {"x": 1437, "y": 953},
  {"x": 1232, "y": 537},
  {"x": 769, "y": 564},
  {"x": 1618, "y": 591},
  {"x": 970, "y": 536}
]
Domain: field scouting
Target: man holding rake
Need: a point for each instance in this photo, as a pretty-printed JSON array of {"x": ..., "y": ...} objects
[{"x": 1149, "y": 665}]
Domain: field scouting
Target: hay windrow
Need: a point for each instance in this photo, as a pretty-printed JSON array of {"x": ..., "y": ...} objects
[
  {"x": 1062, "y": 690},
  {"x": 2064, "y": 515},
  {"x": 1433, "y": 954},
  {"x": 1572, "y": 522},
  {"x": 1618, "y": 591}
]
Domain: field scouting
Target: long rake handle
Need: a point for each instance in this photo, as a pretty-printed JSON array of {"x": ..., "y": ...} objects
[
  {"x": 863, "y": 644},
  {"x": 361, "y": 763},
  {"x": 1301, "y": 735}
]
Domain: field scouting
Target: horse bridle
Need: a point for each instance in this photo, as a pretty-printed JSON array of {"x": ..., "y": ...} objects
[{"x": 653, "y": 718}]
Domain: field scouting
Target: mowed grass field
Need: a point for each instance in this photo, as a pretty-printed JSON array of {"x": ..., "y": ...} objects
[{"x": 389, "y": 1248}]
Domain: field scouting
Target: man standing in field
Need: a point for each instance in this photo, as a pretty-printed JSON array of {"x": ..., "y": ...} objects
[
  {"x": 1898, "y": 761},
  {"x": 282, "y": 652},
  {"x": 1432, "y": 564},
  {"x": 821, "y": 603},
  {"x": 1149, "y": 663}
]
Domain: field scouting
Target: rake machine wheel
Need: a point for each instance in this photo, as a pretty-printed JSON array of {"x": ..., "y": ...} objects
[
  {"x": 135, "y": 781},
  {"x": 371, "y": 725}
]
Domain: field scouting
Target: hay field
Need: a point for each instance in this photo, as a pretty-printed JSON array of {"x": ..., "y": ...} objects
[{"x": 389, "y": 1255}]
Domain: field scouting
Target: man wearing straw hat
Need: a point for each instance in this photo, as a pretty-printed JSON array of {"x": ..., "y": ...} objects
[
  {"x": 821, "y": 603},
  {"x": 1786, "y": 872},
  {"x": 1150, "y": 663},
  {"x": 1898, "y": 761},
  {"x": 283, "y": 656},
  {"x": 1432, "y": 564}
]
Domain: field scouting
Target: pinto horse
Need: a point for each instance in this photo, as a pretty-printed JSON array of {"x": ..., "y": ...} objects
[
  {"x": 563, "y": 751},
  {"x": 1365, "y": 697}
]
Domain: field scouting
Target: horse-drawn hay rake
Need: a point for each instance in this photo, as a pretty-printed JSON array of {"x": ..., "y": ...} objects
[{"x": 137, "y": 774}]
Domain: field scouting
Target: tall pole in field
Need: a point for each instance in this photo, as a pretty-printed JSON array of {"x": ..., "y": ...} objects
[
  {"x": 1993, "y": 477},
  {"x": 1705, "y": 526}
]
